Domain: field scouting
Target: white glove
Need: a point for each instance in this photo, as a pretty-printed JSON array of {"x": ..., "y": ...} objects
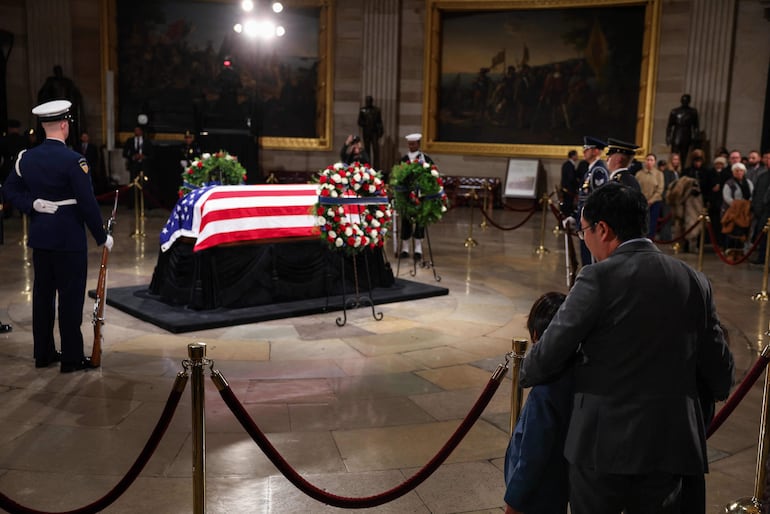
[
  {"x": 569, "y": 222},
  {"x": 44, "y": 206},
  {"x": 108, "y": 243}
]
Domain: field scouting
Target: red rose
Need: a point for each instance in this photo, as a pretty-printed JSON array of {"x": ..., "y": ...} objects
[
  {"x": 244, "y": 178},
  {"x": 322, "y": 180},
  {"x": 320, "y": 211},
  {"x": 200, "y": 164},
  {"x": 324, "y": 192},
  {"x": 336, "y": 219},
  {"x": 351, "y": 241},
  {"x": 190, "y": 171},
  {"x": 181, "y": 193}
]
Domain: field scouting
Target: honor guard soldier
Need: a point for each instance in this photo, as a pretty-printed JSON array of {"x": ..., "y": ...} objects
[
  {"x": 52, "y": 185},
  {"x": 190, "y": 150},
  {"x": 619, "y": 156},
  {"x": 407, "y": 231},
  {"x": 593, "y": 173}
]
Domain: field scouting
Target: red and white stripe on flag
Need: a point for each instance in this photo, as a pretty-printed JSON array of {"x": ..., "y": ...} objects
[{"x": 229, "y": 214}]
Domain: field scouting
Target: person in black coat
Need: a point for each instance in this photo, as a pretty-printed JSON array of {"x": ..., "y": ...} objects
[{"x": 51, "y": 184}]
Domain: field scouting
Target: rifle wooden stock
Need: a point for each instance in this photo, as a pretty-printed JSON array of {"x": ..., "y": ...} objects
[{"x": 101, "y": 295}]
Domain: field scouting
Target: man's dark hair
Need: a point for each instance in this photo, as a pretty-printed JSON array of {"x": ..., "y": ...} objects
[
  {"x": 542, "y": 312},
  {"x": 622, "y": 208},
  {"x": 571, "y": 154}
]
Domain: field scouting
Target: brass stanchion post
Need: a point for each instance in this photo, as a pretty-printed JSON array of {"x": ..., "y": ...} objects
[
  {"x": 705, "y": 219},
  {"x": 138, "y": 205},
  {"x": 469, "y": 241},
  {"x": 485, "y": 205},
  {"x": 558, "y": 229},
  {"x": 542, "y": 250},
  {"x": 753, "y": 505},
  {"x": 762, "y": 295},
  {"x": 519, "y": 349},
  {"x": 197, "y": 354}
]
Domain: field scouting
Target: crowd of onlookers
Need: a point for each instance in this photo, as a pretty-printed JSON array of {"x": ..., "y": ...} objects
[{"x": 733, "y": 189}]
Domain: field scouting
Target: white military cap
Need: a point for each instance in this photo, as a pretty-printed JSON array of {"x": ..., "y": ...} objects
[
  {"x": 413, "y": 137},
  {"x": 53, "y": 111}
]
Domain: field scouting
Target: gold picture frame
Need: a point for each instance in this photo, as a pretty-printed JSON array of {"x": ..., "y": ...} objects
[
  {"x": 479, "y": 115},
  {"x": 322, "y": 12}
]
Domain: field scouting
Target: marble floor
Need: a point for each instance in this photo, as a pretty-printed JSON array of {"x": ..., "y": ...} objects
[{"x": 355, "y": 409}]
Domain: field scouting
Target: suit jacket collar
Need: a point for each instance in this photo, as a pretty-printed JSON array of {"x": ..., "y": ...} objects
[{"x": 636, "y": 245}]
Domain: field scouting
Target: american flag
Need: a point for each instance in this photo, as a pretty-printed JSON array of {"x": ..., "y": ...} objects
[{"x": 216, "y": 215}]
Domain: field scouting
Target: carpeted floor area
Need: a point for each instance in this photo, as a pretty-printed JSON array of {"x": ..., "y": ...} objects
[{"x": 138, "y": 302}]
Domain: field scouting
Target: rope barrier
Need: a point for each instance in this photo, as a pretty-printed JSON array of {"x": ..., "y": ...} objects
[
  {"x": 724, "y": 258},
  {"x": 109, "y": 196},
  {"x": 350, "y": 502},
  {"x": 743, "y": 388},
  {"x": 681, "y": 237},
  {"x": 105, "y": 501},
  {"x": 492, "y": 222},
  {"x": 508, "y": 207}
]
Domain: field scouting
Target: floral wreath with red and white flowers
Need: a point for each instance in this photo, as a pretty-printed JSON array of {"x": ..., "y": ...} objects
[{"x": 353, "y": 211}]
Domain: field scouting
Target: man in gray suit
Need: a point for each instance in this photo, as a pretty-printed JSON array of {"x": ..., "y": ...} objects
[{"x": 639, "y": 328}]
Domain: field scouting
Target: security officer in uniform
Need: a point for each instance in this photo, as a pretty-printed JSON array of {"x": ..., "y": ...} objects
[
  {"x": 51, "y": 184},
  {"x": 619, "y": 156},
  {"x": 190, "y": 150},
  {"x": 594, "y": 174}
]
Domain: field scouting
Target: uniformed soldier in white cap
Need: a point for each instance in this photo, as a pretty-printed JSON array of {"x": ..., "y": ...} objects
[
  {"x": 52, "y": 185},
  {"x": 406, "y": 231}
]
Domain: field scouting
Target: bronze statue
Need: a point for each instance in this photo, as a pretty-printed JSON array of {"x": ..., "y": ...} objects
[
  {"x": 370, "y": 121},
  {"x": 682, "y": 130}
]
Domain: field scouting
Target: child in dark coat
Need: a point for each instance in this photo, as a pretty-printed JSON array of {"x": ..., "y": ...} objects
[{"x": 535, "y": 468}]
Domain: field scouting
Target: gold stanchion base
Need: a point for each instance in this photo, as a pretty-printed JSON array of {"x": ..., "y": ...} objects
[
  {"x": 677, "y": 247},
  {"x": 541, "y": 250},
  {"x": 470, "y": 242},
  {"x": 744, "y": 505},
  {"x": 760, "y": 296},
  {"x": 557, "y": 230},
  {"x": 138, "y": 234}
]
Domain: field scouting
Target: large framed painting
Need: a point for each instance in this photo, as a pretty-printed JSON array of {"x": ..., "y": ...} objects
[
  {"x": 531, "y": 78},
  {"x": 181, "y": 63}
]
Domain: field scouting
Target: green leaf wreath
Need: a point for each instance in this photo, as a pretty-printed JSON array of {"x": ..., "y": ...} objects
[
  {"x": 418, "y": 192},
  {"x": 220, "y": 168}
]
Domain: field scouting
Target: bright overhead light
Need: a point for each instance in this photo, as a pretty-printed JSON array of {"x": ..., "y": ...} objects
[
  {"x": 277, "y": 7},
  {"x": 264, "y": 29},
  {"x": 238, "y": 28},
  {"x": 280, "y": 31},
  {"x": 247, "y": 5}
]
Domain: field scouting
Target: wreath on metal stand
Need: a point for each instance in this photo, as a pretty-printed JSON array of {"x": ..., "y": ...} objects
[
  {"x": 419, "y": 196},
  {"x": 353, "y": 213}
]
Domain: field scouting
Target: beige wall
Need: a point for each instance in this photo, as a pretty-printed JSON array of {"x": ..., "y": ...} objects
[{"x": 743, "y": 107}]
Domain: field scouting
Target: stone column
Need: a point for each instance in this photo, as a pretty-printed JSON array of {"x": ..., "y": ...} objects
[
  {"x": 49, "y": 41},
  {"x": 709, "y": 65},
  {"x": 380, "y": 70}
]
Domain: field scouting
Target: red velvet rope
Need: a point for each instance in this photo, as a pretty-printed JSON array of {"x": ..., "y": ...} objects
[
  {"x": 681, "y": 237},
  {"x": 105, "y": 501},
  {"x": 369, "y": 501},
  {"x": 723, "y": 257},
  {"x": 110, "y": 196},
  {"x": 496, "y": 225},
  {"x": 507, "y": 207},
  {"x": 738, "y": 394}
]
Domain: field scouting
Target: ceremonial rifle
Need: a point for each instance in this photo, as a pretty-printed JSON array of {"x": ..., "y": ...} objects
[
  {"x": 570, "y": 255},
  {"x": 101, "y": 294}
]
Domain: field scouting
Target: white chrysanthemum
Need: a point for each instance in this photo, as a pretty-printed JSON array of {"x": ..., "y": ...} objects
[
  {"x": 332, "y": 234},
  {"x": 349, "y": 231},
  {"x": 372, "y": 188},
  {"x": 357, "y": 176},
  {"x": 425, "y": 165},
  {"x": 321, "y": 220},
  {"x": 379, "y": 214},
  {"x": 338, "y": 166},
  {"x": 205, "y": 156},
  {"x": 229, "y": 157},
  {"x": 376, "y": 224},
  {"x": 356, "y": 186},
  {"x": 434, "y": 172},
  {"x": 345, "y": 181},
  {"x": 333, "y": 194},
  {"x": 330, "y": 212},
  {"x": 338, "y": 242},
  {"x": 443, "y": 208}
]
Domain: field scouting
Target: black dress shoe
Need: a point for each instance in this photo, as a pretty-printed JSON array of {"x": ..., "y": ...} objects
[
  {"x": 404, "y": 255},
  {"x": 417, "y": 256},
  {"x": 44, "y": 363},
  {"x": 5, "y": 328},
  {"x": 69, "y": 367}
]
